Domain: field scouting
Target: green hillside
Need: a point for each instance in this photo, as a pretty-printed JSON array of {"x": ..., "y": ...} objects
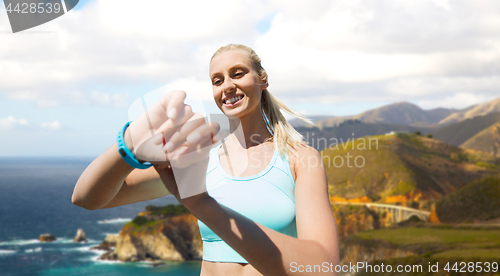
[
  {"x": 402, "y": 164},
  {"x": 479, "y": 200},
  {"x": 458, "y": 133},
  {"x": 487, "y": 140}
]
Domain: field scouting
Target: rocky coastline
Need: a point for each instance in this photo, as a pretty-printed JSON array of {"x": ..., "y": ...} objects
[{"x": 155, "y": 235}]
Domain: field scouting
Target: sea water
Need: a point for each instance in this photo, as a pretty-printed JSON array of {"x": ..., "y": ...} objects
[{"x": 35, "y": 198}]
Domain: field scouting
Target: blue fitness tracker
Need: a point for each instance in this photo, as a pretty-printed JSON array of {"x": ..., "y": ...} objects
[{"x": 126, "y": 154}]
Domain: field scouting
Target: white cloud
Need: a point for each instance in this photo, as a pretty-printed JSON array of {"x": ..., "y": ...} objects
[
  {"x": 111, "y": 100},
  {"x": 459, "y": 100},
  {"x": 118, "y": 43},
  {"x": 55, "y": 125},
  {"x": 330, "y": 51},
  {"x": 11, "y": 122}
]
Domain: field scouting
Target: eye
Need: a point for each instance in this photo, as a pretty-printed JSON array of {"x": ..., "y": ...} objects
[
  {"x": 216, "y": 82},
  {"x": 238, "y": 74}
]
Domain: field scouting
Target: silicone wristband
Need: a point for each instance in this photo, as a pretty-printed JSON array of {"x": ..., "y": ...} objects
[{"x": 126, "y": 154}]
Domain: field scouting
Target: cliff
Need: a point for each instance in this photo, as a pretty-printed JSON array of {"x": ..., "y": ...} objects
[{"x": 152, "y": 236}]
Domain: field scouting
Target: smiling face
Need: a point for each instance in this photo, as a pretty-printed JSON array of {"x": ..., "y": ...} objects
[{"x": 236, "y": 85}]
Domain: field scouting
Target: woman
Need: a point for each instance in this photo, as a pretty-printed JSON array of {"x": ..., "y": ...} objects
[{"x": 273, "y": 218}]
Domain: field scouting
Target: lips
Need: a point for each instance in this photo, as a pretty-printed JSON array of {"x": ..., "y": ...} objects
[{"x": 232, "y": 101}]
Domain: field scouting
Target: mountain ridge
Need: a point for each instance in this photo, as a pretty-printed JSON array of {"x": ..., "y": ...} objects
[{"x": 407, "y": 113}]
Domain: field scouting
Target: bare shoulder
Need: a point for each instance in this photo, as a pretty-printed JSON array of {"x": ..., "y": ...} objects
[{"x": 304, "y": 158}]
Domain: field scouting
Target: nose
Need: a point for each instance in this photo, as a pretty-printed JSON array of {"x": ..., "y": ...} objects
[{"x": 228, "y": 85}]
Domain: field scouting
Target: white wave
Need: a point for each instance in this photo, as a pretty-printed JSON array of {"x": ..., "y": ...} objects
[
  {"x": 113, "y": 234},
  {"x": 19, "y": 242},
  {"x": 82, "y": 248},
  {"x": 96, "y": 259},
  {"x": 63, "y": 240},
  {"x": 96, "y": 252},
  {"x": 7, "y": 252},
  {"x": 89, "y": 241},
  {"x": 32, "y": 250},
  {"x": 34, "y": 241},
  {"x": 115, "y": 220},
  {"x": 100, "y": 251}
]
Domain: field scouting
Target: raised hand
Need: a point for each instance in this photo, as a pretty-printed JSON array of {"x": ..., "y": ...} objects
[
  {"x": 177, "y": 141},
  {"x": 160, "y": 121}
]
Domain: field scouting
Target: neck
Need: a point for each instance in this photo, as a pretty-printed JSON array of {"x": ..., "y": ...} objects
[{"x": 254, "y": 130}]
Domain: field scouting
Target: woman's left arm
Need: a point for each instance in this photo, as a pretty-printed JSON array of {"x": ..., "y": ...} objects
[{"x": 274, "y": 253}]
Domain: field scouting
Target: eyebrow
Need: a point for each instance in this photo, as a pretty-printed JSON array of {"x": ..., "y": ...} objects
[{"x": 236, "y": 66}]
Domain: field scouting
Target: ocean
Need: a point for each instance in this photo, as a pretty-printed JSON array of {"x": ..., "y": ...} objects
[{"x": 35, "y": 198}]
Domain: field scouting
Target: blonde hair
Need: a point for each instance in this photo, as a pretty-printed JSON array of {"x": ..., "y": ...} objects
[{"x": 284, "y": 136}]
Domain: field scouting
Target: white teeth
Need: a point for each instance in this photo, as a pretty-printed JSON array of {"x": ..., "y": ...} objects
[{"x": 234, "y": 99}]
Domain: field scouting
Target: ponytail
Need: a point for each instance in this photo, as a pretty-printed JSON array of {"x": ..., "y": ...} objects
[{"x": 284, "y": 135}]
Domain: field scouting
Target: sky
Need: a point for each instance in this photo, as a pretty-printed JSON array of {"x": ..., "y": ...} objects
[{"x": 66, "y": 85}]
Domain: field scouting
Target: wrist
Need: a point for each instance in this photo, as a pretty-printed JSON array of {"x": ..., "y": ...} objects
[
  {"x": 128, "y": 140},
  {"x": 125, "y": 151},
  {"x": 196, "y": 202}
]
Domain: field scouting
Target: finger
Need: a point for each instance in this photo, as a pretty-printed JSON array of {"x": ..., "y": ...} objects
[
  {"x": 203, "y": 134},
  {"x": 214, "y": 129},
  {"x": 151, "y": 149},
  {"x": 185, "y": 114},
  {"x": 158, "y": 112},
  {"x": 216, "y": 139},
  {"x": 175, "y": 103},
  {"x": 198, "y": 141},
  {"x": 179, "y": 137},
  {"x": 169, "y": 127},
  {"x": 155, "y": 120}
]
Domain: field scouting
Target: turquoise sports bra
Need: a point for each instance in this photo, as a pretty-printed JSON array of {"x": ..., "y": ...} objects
[{"x": 266, "y": 198}]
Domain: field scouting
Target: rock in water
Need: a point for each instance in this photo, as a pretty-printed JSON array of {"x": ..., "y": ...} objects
[
  {"x": 46, "y": 238},
  {"x": 80, "y": 236},
  {"x": 108, "y": 244}
]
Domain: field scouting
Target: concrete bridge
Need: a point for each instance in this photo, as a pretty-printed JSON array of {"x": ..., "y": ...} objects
[{"x": 397, "y": 213}]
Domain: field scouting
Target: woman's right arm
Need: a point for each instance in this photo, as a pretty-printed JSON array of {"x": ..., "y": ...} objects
[{"x": 109, "y": 182}]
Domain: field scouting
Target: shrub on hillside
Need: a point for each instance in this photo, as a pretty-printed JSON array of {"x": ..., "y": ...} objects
[
  {"x": 168, "y": 210},
  {"x": 478, "y": 200},
  {"x": 456, "y": 157},
  {"x": 140, "y": 220}
]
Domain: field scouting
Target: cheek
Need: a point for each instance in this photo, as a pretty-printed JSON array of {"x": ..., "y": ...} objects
[
  {"x": 216, "y": 93},
  {"x": 217, "y": 98}
]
